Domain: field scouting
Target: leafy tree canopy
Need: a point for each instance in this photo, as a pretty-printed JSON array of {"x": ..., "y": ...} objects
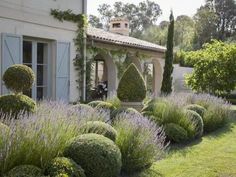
[
  {"x": 141, "y": 16},
  {"x": 214, "y": 70}
]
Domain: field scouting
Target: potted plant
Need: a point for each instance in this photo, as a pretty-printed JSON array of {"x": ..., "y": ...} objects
[{"x": 132, "y": 88}]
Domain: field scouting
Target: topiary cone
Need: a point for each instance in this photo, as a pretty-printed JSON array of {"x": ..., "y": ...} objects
[{"x": 132, "y": 87}]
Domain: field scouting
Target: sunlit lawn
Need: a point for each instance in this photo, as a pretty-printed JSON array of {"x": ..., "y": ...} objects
[{"x": 213, "y": 156}]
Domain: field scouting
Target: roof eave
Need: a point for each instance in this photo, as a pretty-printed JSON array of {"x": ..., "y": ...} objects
[{"x": 126, "y": 45}]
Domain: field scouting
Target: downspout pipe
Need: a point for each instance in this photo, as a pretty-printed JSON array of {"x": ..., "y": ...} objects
[{"x": 84, "y": 11}]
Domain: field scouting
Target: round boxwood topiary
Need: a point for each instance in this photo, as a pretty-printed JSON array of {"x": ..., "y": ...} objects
[
  {"x": 19, "y": 78},
  {"x": 119, "y": 111},
  {"x": 106, "y": 106},
  {"x": 63, "y": 166},
  {"x": 175, "y": 133},
  {"x": 100, "y": 128},
  {"x": 25, "y": 171},
  {"x": 15, "y": 104},
  {"x": 94, "y": 103},
  {"x": 98, "y": 155},
  {"x": 132, "y": 87},
  {"x": 197, "y": 108},
  {"x": 197, "y": 122}
]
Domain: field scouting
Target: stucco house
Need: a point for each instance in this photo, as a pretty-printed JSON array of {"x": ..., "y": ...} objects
[{"x": 31, "y": 36}]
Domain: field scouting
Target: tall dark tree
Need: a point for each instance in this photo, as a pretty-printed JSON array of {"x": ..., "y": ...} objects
[
  {"x": 205, "y": 26},
  {"x": 166, "y": 87},
  {"x": 225, "y": 11}
]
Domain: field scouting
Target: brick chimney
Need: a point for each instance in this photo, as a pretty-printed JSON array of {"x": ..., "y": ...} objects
[{"x": 119, "y": 25}]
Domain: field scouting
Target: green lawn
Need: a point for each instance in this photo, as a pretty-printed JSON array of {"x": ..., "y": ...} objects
[
  {"x": 213, "y": 156},
  {"x": 234, "y": 107}
]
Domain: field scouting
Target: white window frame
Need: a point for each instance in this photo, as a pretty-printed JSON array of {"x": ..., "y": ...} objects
[{"x": 35, "y": 64}]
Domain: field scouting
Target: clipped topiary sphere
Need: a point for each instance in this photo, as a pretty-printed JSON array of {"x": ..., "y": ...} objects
[
  {"x": 119, "y": 111},
  {"x": 149, "y": 106},
  {"x": 15, "y": 104},
  {"x": 100, "y": 128},
  {"x": 19, "y": 78},
  {"x": 132, "y": 87},
  {"x": 175, "y": 133},
  {"x": 106, "y": 106},
  {"x": 63, "y": 166},
  {"x": 25, "y": 171},
  {"x": 197, "y": 122},
  {"x": 94, "y": 103},
  {"x": 197, "y": 108},
  {"x": 98, "y": 155}
]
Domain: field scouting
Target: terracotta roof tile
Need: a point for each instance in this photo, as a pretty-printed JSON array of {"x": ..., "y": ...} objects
[{"x": 105, "y": 36}]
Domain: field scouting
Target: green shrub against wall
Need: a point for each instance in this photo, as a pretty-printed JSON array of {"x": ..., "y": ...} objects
[
  {"x": 132, "y": 87},
  {"x": 19, "y": 78},
  {"x": 16, "y": 104}
]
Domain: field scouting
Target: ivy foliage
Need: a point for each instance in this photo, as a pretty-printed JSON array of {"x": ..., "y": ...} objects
[
  {"x": 81, "y": 21},
  {"x": 214, "y": 69},
  {"x": 121, "y": 57}
]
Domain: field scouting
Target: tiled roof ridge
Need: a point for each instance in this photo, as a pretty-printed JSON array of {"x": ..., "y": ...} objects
[{"x": 118, "y": 39}]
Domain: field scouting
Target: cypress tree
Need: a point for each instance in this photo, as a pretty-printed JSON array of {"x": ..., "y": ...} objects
[{"x": 166, "y": 87}]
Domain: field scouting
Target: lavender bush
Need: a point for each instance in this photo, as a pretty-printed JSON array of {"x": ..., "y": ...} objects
[
  {"x": 141, "y": 142},
  {"x": 217, "y": 109},
  {"x": 38, "y": 138}
]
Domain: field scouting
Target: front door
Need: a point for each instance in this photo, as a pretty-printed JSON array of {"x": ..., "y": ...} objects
[{"x": 35, "y": 55}]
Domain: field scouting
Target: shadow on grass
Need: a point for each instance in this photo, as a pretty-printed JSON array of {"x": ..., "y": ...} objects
[
  {"x": 186, "y": 147},
  {"x": 146, "y": 173}
]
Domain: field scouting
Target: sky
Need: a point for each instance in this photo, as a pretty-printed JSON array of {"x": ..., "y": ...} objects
[{"x": 180, "y": 7}]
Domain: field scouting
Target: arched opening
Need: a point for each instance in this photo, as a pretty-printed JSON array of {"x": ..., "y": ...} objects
[
  {"x": 158, "y": 76},
  {"x": 137, "y": 63},
  {"x": 104, "y": 76},
  {"x": 149, "y": 77}
]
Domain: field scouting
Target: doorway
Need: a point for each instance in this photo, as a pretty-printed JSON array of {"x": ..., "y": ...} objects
[{"x": 36, "y": 56}]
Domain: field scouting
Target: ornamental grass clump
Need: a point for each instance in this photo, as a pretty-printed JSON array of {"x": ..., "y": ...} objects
[
  {"x": 37, "y": 139},
  {"x": 163, "y": 112},
  {"x": 141, "y": 142},
  {"x": 215, "y": 110}
]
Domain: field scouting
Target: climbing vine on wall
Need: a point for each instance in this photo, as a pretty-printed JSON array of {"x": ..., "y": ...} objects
[
  {"x": 81, "y": 21},
  {"x": 122, "y": 57}
]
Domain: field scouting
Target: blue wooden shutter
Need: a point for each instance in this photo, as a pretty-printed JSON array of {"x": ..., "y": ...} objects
[
  {"x": 11, "y": 54},
  {"x": 62, "y": 71}
]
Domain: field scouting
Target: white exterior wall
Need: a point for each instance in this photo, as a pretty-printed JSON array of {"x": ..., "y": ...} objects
[
  {"x": 31, "y": 18},
  {"x": 179, "y": 77}
]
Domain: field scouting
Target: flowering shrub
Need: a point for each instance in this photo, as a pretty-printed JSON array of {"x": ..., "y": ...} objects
[
  {"x": 141, "y": 142},
  {"x": 37, "y": 139}
]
